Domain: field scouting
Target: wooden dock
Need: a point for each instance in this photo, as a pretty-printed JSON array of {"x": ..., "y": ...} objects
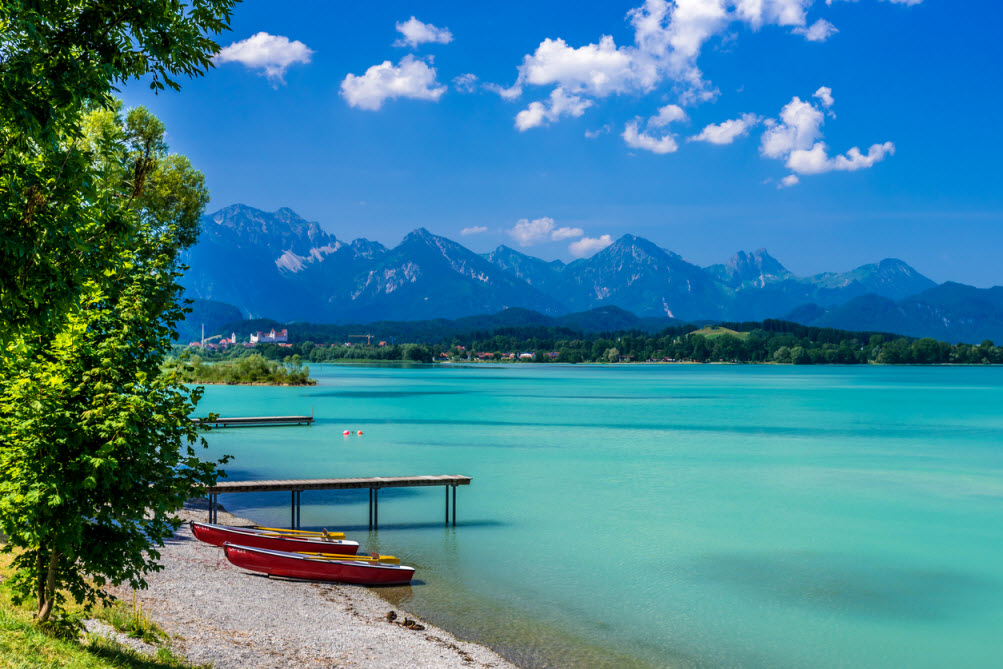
[
  {"x": 374, "y": 484},
  {"x": 256, "y": 421}
]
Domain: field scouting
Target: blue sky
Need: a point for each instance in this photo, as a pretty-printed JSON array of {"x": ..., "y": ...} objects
[{"x": 594, "y": 119}]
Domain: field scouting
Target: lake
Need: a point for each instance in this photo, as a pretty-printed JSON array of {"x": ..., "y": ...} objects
[{"x": 664, "y": 515}]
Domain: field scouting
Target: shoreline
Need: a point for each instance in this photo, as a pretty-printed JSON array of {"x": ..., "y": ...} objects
[{"x": 220, "y": 614}]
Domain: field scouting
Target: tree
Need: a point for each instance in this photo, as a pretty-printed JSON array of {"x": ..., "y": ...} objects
[
  {"x": 799, "y": 356},
  {"x": 59, "y": 58},
  {"x": 96, "y": 449}
]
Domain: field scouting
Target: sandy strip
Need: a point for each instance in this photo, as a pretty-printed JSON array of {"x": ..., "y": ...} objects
[{"x": 230, "y": 617}]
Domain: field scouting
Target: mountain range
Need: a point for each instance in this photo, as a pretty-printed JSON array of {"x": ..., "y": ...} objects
[{"x": 280, "y": 266}]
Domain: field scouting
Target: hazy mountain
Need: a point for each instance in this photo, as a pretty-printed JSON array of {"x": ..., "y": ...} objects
[
  {"x": 279, "y": 265},
  {"x": 244, "y": 257},
  {"x": 429, "y": 276},
  {"x": 950, "y": 312},
  {"x": 538, "y": 273},
  {"x": 641, "y": 277},
  {"x": 889, "y": 278},
  {"x": 754, "y": 269}
]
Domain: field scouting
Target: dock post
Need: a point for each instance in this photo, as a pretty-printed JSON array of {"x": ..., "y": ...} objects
[
  {"x": 299, "y": 509},
  {"x": 376, "y": 508},
  {"x": 446, "y": 488},
  {"x": 292, "y": 509},
  {"x": 370, "y": 508},
  {"x": 454, "y": 506}
]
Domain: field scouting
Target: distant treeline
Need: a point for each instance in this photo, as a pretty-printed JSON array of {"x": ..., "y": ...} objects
[
  {"x": 250, "y": 368},
  {"x": 759, "y": 342}
]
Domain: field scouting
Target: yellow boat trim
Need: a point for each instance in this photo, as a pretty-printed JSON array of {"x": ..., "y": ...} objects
[
  {"x": 383, "y": 559},
  {"x": 279, "y": 530}
]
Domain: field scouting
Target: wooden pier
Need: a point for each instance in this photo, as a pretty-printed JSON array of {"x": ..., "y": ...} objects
[
  {"x": 256, "y": 421},
  {"x": 374, "y": 484}
]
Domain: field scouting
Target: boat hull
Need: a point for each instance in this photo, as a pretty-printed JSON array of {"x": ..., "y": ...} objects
[
  {"x": 217, "y": 535},
  {"x": 291, "y": 565}
]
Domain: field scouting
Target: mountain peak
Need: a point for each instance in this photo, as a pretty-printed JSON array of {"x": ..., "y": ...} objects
[{"x": 420, "y": 234}]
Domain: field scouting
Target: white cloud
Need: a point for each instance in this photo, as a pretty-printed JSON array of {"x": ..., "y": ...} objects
[
  {"x": 473, "y": 230},
  {"x": 819, "y": 31},
  {"x": 825, "y": 95},
  {"x": 412, "y": 78},
  {"x": 592, "y": 134},
  {"x": 596, "y": 69},
  {"x": 666, "y": 115},
  {"x": 788, "y": 181},
  {"x": 561, "y": 104},
  {"x": 668, "y": 38},
  {"x": 465, "y": 83},
  {"x": 511, "y": 93},
  {"x": 800, "y": 125},
  {"x": 273, "y": 54},
  {"x": 796, "y": 138},
  {"x": 560, "y": 234},
  {"x": 415, "y": 32},
  {"x": 587, "y": 246},
  {"x": 642, "y": 140},
  {"x": 666, "y": 143},
  {"x": 817, "y": 161},
  {"x": 528, "y": 232},
  {"x": 727, "y": 132}
]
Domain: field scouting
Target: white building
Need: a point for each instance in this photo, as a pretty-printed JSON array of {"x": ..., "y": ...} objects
[{"x": 260, "y": 337}]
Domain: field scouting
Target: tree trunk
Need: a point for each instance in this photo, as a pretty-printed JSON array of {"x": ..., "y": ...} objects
[
  {"x": 39, "y": 569},
  {"x": 47, "y": 598}
]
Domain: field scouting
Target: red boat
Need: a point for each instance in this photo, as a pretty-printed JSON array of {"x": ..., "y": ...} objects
[
  {"x": 271, "y": 539},
  {"x": 359, "y": 571}
]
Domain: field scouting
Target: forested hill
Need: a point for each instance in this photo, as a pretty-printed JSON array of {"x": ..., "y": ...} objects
[{"x": 770, "y": 341}]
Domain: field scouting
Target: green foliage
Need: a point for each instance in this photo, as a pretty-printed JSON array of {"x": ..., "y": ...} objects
[
  {"x": 95, "y": 445},
  {"x": 59, "y": 224},
  {"x": 133, "y": 621},
  {"x": 769, "y": 341},
  {"x": 60, "y": 642},
  {"x": 96, "y": 449},
  {"x": 65, "y": 626},
  {"x": 252, "y": 369}
]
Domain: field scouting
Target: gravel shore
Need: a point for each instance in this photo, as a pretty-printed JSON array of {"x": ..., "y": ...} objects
[{"x": 229, "y": 617}]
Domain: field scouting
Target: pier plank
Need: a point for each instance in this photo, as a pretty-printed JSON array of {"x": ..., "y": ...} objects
[
  {"x": 373, "y": 483},
  {"x": 252, "y": 421},
  {"x": 298, "y": 485}
]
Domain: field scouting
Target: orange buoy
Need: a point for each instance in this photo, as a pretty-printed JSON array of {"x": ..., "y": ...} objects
[
  {"x": 347, "y": 432},
  {"x": 360, "y": 433}
]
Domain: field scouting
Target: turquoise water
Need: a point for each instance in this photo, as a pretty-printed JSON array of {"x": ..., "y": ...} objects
[{"x": 711, "y": 516}]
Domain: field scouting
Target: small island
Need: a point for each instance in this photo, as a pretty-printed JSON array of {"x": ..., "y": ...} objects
[{"x": 251, "y": 370}]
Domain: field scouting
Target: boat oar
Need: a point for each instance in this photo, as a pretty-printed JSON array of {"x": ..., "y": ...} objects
[
  {"x": 382, "y": 559},
  {"x": 279, "y": 530}
]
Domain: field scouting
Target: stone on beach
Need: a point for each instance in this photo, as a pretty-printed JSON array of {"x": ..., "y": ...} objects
[{"x": 233, "y": 618}]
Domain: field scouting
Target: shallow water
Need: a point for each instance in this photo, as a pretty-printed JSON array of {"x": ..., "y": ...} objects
[{"x": 671, "y": 515}]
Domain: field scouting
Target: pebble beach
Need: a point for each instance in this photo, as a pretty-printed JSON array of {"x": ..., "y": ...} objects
[{"x": 225, "y": 616}]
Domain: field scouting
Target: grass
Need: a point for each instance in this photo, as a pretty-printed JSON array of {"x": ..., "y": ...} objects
[
  {"x": 25, "y": 645},
  {"x": 716, "y": 331}
]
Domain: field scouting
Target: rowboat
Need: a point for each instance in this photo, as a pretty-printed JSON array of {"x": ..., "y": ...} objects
[
  {"x": 275, "y": 539},
  {"x": 361, "y": 570}
]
